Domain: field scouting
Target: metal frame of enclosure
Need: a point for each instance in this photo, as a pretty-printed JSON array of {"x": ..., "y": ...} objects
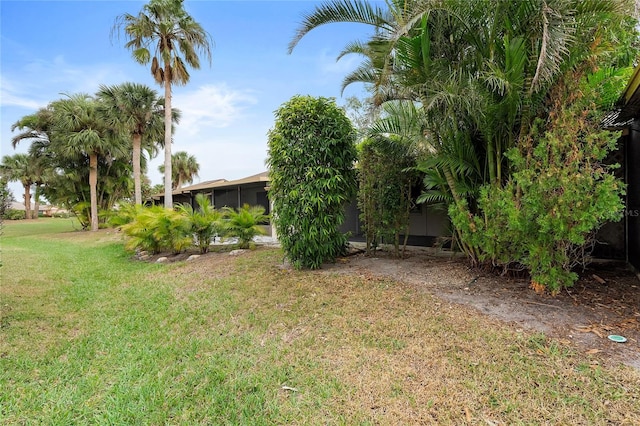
[
  {"x": 626, "y": 118},
  {"x": 251, "y": 190},
  {"x": 427, "y": 224}
]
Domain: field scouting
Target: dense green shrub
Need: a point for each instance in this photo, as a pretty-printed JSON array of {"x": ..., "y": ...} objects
[
  {"x": 311, "y": 160},
  {"x": 559, "y": 194},
  {"x": 244, "y": 223},
  {"x": 13, "y": 214},
  {"x": 125, "y": 213}
]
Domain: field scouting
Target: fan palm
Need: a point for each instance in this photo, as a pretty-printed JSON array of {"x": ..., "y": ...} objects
[
  {"x": 184, "y": 169},
  {"x": 83, "y": 131},
  {"x": 20, "y": 168},
  {"x": 139, "y": 112},
  {"x": 35, "y": 128},
  {"x": 166, "y": 36}
]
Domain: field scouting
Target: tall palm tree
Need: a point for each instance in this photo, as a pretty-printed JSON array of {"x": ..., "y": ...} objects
[
  {"x": 83, "y": 131},
  {"x": 164, "y": 34},
  {"x": 184, "y": 168},
  {"x": 35, "y": 128},
  {"x": 139, "y": 112},
  {"x": 20, "y": 168}
]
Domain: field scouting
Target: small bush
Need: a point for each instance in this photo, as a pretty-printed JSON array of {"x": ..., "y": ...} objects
[
  {"x": 13, "y": 214},
  {"x": 206, "y": 222},
  {"x": 244, "y": 223},
  {"x": 156, "y": 229},
  {"x": 559, "y": 195}
]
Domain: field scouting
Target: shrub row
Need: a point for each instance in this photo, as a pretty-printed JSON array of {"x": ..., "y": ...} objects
[{"x": 156, "y": 229}]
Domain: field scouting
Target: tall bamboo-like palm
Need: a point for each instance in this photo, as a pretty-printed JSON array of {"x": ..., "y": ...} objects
[
  {"x": 184, "y": 168},
  {"x": 488, "y": 63},
  {"x": 83, "y": 131},
  {"x": 164, "y": 34},
  {"x": 20, "y": 168},
  {"x": 138, "y": 111}
]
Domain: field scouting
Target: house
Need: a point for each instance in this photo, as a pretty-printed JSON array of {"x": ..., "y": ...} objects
[
  {"x": 250, "y": 190},
  {"x": 626, "y": 118},
  {"x": 43, "y": 209},
  {"x": 427, "y": 224}
]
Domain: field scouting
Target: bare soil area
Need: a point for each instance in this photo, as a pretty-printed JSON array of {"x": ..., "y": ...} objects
[{"x": 605, "y": 301}]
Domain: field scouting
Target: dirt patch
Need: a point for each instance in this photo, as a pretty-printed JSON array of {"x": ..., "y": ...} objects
[{"x": 605, "y": 300}]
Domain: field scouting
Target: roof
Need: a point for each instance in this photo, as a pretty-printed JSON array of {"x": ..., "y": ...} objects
[
  {"x": 260, "y": 177},
  {"x": 202, "y": 185},
  {"x": 17, "y": 205},
  {"x": 627, "y": 107},
  {"x": 220, "y": 184}
]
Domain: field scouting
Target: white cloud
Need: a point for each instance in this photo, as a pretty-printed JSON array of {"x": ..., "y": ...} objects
[
  {"x": 212, "y": 105},
  {"x": 13, "y": 95}
]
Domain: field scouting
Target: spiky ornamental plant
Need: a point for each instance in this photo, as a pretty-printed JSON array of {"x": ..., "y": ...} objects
[
  {"x": 244, "y": 223},
  {"x": 157, "y": 229},
  {"x": 206, "y": 222},
  {"x": 311, "y": 160}
]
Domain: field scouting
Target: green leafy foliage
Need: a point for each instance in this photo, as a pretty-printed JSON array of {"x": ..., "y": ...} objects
[
  {"x": 125, "y": 213},
  {"x": 244, "y": 223},
  {"x": 311, "y": 158},
  {"x": 559, "y": 194},
  {"x": 13, "y": 214},
  {"x": 386, "y": 174},
  {"x": 206, "y": 222},
  {"x": 156, "y": 229},
  {"x": 6, "y": 197}
]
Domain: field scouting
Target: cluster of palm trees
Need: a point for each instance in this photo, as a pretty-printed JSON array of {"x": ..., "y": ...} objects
[
  {"x": 463, "y": 82},
  {"x": 103, "y": 136}
]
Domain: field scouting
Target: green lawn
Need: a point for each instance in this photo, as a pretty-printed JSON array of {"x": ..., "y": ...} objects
[{"x": 89, "y": 336}]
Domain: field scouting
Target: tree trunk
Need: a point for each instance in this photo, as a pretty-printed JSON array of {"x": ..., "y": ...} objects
[
  {"x": 27, "y": 201},
  {"x": 36, "y": 203},
  {"x": 168, "y": 187},
  {"x": 137, "y": 181},
  {"x": 93, "y": 186}
]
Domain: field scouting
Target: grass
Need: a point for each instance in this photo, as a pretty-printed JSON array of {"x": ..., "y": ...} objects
[{"x": 89, "y": 336}]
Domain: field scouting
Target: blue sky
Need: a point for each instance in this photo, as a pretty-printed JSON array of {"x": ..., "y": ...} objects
[{"x": 48, "y": 48}]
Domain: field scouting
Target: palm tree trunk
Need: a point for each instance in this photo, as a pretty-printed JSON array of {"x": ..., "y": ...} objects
[
  {"x": 36, "y": 202},
  {"x": 93, "y": 186},
  {"x": 137, "y": 181},
  {"x": 168, "y": 188},
  {"x": 27, "y": 201}
]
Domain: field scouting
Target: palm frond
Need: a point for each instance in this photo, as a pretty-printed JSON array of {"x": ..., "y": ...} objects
[{"x": 335, "y": 11}]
